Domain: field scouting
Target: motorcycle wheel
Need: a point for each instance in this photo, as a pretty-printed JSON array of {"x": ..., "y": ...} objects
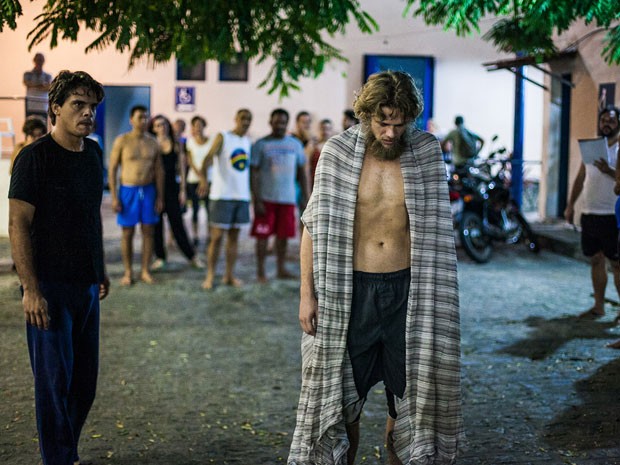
[{"x": 476, "y": 244}]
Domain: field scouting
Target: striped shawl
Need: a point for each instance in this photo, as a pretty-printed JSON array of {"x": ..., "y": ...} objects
[{"x": 429, "y": 427}]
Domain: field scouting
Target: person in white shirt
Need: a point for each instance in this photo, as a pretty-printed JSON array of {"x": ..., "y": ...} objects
[
  {"x": 197, "y": 148},
  {"x": 599, "y": 231},
  {"x": 229, "y": 195}
]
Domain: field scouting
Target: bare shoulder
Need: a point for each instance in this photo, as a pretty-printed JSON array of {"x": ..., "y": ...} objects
[{"x": 121, "y": 139}]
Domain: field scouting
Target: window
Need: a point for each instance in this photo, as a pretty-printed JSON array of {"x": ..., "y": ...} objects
[
  {"x": 236, "y": 70},
  {"x": 197, "y": 72}
]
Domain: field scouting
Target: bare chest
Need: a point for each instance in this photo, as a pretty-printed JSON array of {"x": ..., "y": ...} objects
[
  {"x": 140, "y": 151},
  {"x": 381, "y": 184}
]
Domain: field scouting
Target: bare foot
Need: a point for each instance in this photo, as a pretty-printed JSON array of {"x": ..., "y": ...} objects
[
  {"x": 233, "y": 282},
  {"x": 262, "y": 280},
  {"x": 614, "y": 345},
  {"x": 207, "y": 284},
  {"x": 146, "y": 278},
  {"x": 286, "y": 275},
  {"x": 591, "y": 314},
  {"x": 126, "y": 281}
]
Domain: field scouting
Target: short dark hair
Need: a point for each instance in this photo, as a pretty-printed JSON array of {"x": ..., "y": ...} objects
[
  {"x": 33, "y": 123},
  {"x": 279, "y": 111},
  {"x": 66, "y": 83},
  {"x": 459, "y": 120},
  {"x": 136, "y": 108},
  {"x": 198, "y": 118},
  {"x": 393, "y": 89},
  {"x": 301, "y": 114},
  {"x": 349, "y": 113},
  {"x": 243, "y": 110},
  {"x": 326, "y": 121}
]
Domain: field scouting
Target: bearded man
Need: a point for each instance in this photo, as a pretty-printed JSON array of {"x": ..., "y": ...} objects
[
  {"x": 599, "y": 228},
  {"x": 379, "y": 293}
]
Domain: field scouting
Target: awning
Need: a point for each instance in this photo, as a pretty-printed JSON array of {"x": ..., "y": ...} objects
[{"x": 513, "y": 65}]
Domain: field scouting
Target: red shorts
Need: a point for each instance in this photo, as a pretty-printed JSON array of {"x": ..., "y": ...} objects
[{"x": 279, "y": 219}]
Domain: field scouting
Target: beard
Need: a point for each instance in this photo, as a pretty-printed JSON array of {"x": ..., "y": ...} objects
[
  {"x": 378, "y": 150},
  {"x": 609, "y": 132}
]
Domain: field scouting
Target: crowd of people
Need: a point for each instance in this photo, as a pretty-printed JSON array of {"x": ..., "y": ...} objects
[{"x": 161, "y": 173}]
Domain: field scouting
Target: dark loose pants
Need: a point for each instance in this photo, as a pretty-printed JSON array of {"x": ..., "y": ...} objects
[
  {"x": 376, "y": 336},
  {"x": 192, "y": 195},
  {"x": 65, "y": 361},
  {"x": 172, "y": 208}
]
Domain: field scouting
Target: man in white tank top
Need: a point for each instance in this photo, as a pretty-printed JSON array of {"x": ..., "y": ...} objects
[
  {"x": 229, "y": 195},
  {"x": 599, "y": 230}
]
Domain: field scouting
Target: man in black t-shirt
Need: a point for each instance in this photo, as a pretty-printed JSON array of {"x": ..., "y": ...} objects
[{"x": 57, "y": 245}]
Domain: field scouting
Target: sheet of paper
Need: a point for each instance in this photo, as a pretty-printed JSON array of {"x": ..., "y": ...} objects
[{"x": 593, "y": 149}]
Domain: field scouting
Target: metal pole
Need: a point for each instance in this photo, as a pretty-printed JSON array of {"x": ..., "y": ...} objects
[{"x": 516, "y": 186}]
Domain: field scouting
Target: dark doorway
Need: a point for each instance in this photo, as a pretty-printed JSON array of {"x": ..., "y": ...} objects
[{"x": 558, "y": 147}]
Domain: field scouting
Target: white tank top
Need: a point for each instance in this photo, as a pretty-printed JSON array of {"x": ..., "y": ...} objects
[
  {"x": 198, "y": 154},
  {"x": 598, "y": 188},
  {"x": 231, "y": 169}
]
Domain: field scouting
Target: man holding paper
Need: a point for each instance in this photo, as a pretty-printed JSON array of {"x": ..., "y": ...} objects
[{"x": 599, "y": 231}]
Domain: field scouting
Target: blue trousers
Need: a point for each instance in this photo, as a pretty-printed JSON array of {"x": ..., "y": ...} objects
[{"x": 65, "y": 362}]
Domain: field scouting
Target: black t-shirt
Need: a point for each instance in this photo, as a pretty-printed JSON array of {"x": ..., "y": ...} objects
[{"x": 66, "y": 189}]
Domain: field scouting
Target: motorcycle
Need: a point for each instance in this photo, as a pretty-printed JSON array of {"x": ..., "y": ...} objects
[{"x": 483, "y": 209}]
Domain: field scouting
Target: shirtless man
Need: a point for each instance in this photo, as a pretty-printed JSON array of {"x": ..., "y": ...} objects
[
  {"x": 378, "y": 288},
  {"x": 139, "y": 199}
]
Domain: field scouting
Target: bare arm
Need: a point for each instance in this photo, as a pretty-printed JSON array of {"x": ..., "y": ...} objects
[
  {"x": 302, "y": 179},
  {"x": 104, "y": 286},
  {"x": 569, "y": 213},
  {"x": 30, "y": 85},
  {"x": 216, "y": 148},
  {"x": 21, "y": 215},
  {"x": 259, "y": 206},
  {"x": 308, "y": 304},
  {"x": 115, "y": 163},
  {"x": 160, "y": 179},
  {"x": 604, "y": 167}
]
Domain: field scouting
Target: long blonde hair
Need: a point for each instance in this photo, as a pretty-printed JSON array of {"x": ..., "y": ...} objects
[{"x": 393, "y": 89}]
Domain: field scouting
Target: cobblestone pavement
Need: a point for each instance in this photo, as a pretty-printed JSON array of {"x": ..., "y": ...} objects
[{"x": 194, "y": 377}]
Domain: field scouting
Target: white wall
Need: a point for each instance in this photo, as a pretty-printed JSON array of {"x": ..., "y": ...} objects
[{"x": 462, "y": 84}]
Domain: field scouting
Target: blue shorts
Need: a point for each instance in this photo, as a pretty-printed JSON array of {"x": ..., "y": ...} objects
[{"x": 138, "y": 205}]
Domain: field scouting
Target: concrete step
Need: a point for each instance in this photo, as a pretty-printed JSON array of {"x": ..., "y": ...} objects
[{"x": 559, "y": 237}]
